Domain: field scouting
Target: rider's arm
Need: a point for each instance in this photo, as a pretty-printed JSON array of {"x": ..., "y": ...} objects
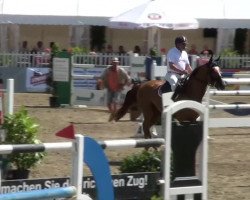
[
  {"x": 173, "y": 67},
  {"x": 188, "y": 69}
]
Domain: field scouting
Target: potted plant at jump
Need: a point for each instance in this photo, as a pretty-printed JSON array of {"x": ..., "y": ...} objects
[{"x": 21, "y": 128}]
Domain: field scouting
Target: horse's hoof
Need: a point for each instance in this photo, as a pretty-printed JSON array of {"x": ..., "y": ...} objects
[{"x": 111, "y": 117}]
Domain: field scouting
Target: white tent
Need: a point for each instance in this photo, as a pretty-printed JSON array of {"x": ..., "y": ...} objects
[
  {"x": 62, "y": 12},
  {"x": 221, "y": 14},
  {"x": 211, "y": 14}
]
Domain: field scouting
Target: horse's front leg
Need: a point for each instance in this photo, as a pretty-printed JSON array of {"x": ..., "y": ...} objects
[{"x": 146, "y": 125}]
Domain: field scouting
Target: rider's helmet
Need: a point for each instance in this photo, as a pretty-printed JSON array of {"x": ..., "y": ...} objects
[{"x": 180, "y": 39}]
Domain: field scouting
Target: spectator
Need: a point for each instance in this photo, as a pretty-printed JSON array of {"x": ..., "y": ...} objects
[
  {"x": 204, "y": 56},
  {"x": 24, "y": 48},
  {"x": 40, "y": 47},
  {"x": 114, "y": 78},
  {"x": 206, "y": 51},
  {"x": 121, "y": 50},
  {"x": 193, "y": 50},
  {"x": 51, "y": 45},
  {"x": 109, "y": 49},
  {"x": 137, "y": 50},
  {"x": 163, "y": 51}
]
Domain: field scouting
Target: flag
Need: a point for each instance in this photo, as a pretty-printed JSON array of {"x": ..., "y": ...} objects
[{"x": 67, "y": 132}]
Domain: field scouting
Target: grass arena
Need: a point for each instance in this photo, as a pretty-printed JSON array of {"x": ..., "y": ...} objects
[{"x": 229, "y": 159}]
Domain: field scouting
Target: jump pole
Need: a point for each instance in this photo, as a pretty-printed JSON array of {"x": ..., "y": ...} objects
[
  {"x": 10, "y": 95},
  {"x": 229, "y": 121},
  {"x": 77, "y": 148},
  {"x": 66, "y": 192}
]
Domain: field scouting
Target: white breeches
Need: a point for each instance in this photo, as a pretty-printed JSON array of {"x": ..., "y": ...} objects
[{"x": 172, "y": 78}]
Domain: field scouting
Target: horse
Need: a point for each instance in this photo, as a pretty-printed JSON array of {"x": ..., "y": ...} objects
[{"x": 146, "y": 95}]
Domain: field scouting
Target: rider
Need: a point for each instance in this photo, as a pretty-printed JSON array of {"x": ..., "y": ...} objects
[{"x": 177, "y": 62}]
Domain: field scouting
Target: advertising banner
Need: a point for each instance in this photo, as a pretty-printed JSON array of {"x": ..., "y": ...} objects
[
  {"x": 36, "y": 79},
  {"x": 126, "y": 186}
]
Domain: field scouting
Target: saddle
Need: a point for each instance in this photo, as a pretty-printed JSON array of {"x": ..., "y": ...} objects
[
  {"x": 180, "y": 87},
  {"x": 164, "y": 88}
]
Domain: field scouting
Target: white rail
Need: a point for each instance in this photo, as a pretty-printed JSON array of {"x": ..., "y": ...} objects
[
  {"x": 229, "y": 122},
  {"x": 237, "y": 81},
  {"x": 229, "y": 106},
  {"x": 229, "y": 92}
]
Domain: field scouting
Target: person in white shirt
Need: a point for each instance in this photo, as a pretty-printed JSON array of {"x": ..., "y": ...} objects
[{"x": 177, "y": 62}]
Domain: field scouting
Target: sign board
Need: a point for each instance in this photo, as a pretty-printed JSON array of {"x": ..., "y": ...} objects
[
  {"x": 83, "y": 89},
  {"x": 126, "y": 186},
  {"x": 61, "y": 69},
  {"x": 36, "y": 79}
]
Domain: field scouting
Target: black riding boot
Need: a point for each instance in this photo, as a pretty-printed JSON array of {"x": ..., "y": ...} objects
[{"x": 166, "y": 87}]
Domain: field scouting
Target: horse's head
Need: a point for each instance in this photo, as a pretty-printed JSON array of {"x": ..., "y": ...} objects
[
  {"x": 215, "y": 77},
  {"x": 209, "y": 74}
]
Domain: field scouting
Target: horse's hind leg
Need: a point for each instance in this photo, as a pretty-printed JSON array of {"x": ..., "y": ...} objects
[{"x": 147, "y": 122}]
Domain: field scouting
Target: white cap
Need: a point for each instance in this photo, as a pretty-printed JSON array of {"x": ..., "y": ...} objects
[{"x": 115, "y": 59}]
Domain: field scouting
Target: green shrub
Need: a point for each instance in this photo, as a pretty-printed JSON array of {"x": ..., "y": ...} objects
[
  {"x": 22, "y": 129},
  {"x": 155, "y": 197},
  {"x": 228, "y": 59},
  {"x": 146, "y": 161}
]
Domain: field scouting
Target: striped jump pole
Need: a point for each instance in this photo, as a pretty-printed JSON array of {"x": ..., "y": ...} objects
[
  {"x": 66, "y": 192},
  {"x": 229, "y": 92},
  {"x": 31, "y": 148},
  {"x": 229, "y": 106},
  {"x": 139, "y": 143},
  {"x": 231, "y": 81}
]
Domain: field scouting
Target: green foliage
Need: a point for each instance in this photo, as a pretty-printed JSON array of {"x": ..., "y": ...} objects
[
  {"x": 78, "y": 50},
  {"x": 153, "y": 52},
  {"x": 146, "y": 161},
  {"x": 22, "y": 129},
  {"x": 5, "y": 60},
  {"x": 55, "y": 49},
  {"x": 229, "y": 63},
  {"x": 229, "y": 52},
  {"x": 155, "y": 197}
]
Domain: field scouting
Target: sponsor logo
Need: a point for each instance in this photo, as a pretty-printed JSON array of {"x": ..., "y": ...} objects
[
  {"x": 37, "y": 80},
  {"x": 154, "y": 16}
]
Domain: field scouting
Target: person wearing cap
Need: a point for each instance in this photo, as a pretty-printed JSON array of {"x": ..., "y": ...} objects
[
  {"x": 177, "y": 62},
  {"x": 114, "y": 78}
]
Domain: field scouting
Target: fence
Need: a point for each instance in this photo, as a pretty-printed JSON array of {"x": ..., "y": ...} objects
[
  {"x": 44, "y": 60},
  {"x": 25, "y": 60}
]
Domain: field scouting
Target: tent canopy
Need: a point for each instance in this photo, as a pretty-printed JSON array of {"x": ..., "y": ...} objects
[
  {"x": 62, "y": 12},
  {"x": 213, "y": 14}
]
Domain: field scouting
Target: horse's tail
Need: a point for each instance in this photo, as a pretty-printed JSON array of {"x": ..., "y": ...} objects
[{"x": 129, "y": 101}]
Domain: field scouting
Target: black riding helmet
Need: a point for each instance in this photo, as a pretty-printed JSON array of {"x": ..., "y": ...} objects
[{"x": 180, "y": 39}]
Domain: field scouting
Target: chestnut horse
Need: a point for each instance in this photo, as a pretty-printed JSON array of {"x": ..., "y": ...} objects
[{"x": 146, "y": 95}]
